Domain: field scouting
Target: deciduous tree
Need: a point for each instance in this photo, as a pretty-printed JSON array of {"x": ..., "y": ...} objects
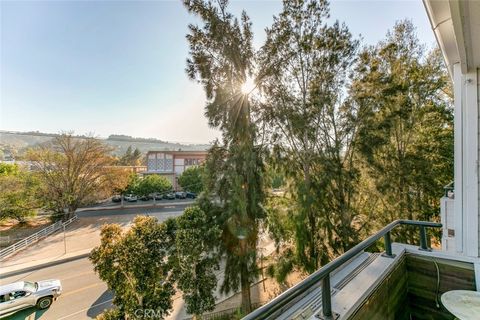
[
  {"x": 18, "y": 193},
  {"x": 71, "y": 171},
  {"x": 135, "y": 266},
  {"x": 192, "y": 179},
  {"x": 152, "y": 184}
]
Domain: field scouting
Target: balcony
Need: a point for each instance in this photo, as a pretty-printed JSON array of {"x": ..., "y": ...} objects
[{"x": 404, "y": 282}]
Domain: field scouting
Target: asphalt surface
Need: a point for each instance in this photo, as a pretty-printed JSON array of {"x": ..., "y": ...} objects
[
  {"x": 110, "y": 203},
  {"x": 173, "y": 209},
  {"x": 84, "y": 295}
]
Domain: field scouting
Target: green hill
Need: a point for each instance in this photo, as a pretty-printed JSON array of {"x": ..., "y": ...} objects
[{"x": 16, "y": 143}]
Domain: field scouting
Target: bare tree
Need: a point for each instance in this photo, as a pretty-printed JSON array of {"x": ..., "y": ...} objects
[{"x": 72, "y": 170}]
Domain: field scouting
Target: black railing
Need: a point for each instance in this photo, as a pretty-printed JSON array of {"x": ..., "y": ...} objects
[{"x": 323, "y": 273}]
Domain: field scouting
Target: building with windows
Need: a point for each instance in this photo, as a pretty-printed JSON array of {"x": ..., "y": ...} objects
[{"x": 171, "y": 164}]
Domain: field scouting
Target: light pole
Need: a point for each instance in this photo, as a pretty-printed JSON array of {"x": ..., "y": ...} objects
[
  {"x": 64, "y": 239},
  {"x": 64, "y": 235}
]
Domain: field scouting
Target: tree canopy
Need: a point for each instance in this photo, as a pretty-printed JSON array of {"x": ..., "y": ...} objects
[
  {"x": 19, "y": 197},
  {"x": 192, "y": 179},
  {"x": 195, "y": 240},
  {"x": 135, "y": 266},
  {"x": 152, "y": 184},
  {"x": 72, "y": 171},
  {"x": 221, "y": 58}
]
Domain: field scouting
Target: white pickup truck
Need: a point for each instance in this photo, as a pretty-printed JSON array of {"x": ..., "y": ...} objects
[{"x": 24, "y": 294}]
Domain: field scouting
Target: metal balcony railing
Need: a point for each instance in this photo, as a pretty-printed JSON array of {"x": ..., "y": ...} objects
[
  {"x": 323, "y": 274},
  {"x": 449, "y": 188}
]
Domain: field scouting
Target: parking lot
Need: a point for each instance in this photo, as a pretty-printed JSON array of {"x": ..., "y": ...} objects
[{"x": 110, "y": 203}]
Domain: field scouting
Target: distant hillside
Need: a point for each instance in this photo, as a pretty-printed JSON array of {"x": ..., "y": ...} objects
[{"x": 17, "y": 142}]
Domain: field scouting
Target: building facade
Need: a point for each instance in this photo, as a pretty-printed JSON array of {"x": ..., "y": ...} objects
[
  {"x": 171, "y": 164},
  {"x": 456, "y": 25}
]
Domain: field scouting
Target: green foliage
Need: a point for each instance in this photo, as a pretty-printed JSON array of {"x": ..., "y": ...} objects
[
  {"x": 132, "y": 184},
  {"x": 406, "y": 131},
  {"x": 221, "y": 59},
  {"x": 130, "y": 158},
  {"x": 110, "y": 314},
  {"x": 134, "y": 265},
  {"x": 72, "y": 172},
  {"x": 276, "y": 177},
  {"x": 192, "y": 179},
  {"x": 8, "y": 169},
  {"x": 18, "y": 193},
  {"x": 306, "y": 64},
  {"x": 152, "y": 184},
  {"x": 196, "y": 237}
]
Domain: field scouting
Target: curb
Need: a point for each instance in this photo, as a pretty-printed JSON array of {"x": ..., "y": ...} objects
[{"x": 44, "y": 265}]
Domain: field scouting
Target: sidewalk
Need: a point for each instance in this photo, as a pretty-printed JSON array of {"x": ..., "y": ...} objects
[{"x": 79, "y": 239}]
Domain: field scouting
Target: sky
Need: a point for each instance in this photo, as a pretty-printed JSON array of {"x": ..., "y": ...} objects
[{"x": 118, "y": 67}]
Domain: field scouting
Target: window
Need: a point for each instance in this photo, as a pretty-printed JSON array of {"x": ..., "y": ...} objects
[
  {"x": 30, "y": 286},
  {"x": 17, "y": 294}
]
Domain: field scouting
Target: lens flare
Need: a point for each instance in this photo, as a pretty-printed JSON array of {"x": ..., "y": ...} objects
[{"x": 248, "y": 86}]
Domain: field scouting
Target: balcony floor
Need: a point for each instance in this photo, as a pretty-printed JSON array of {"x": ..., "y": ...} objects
[{"x": 371, "y": 286}]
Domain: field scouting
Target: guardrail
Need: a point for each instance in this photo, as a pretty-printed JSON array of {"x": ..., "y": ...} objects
[
  {"x": 22, "y": 244},
  {"x": 323, "y": 274}
]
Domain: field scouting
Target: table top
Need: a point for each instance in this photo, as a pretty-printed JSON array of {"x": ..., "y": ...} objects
[{"x": 463, "y": 304}]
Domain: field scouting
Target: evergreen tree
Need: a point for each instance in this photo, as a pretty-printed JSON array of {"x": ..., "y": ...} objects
[
  {"x": 406, "y": 136},
  {"x": 196, "y": 261},
  {"x": 221, "y": 57},
  {"x": 305, "y": 65}
]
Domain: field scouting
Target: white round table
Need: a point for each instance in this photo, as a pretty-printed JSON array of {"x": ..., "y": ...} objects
[{"x": 463, "y": 304}]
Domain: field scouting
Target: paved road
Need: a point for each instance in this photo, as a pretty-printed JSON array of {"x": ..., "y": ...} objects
[
  {"x": 84, "y": 294},
  {"x": 127, "y": 204},
  {"x": 161, "y": 213}
]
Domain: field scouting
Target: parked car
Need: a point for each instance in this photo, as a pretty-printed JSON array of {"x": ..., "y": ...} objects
[
  {"x": 157, "y": 196},
  {"x": 180, "y": 195},
  {"x": 169, "y": 196},
  {"x": 131, "y": 198},
  {"x": 144, "y": 198},
  {"x": 25, "y": 294},
  {"x": 191, "y": 195},
  {"x": 117, "y": 198}
]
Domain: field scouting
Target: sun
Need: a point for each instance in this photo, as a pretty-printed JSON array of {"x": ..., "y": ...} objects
[{"x": 248, "y": 86}]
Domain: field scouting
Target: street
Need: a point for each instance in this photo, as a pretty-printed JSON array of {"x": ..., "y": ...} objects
[{"x": 84, "y": 295}]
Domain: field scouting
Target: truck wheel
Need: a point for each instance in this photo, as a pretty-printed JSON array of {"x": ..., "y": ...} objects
[{"x": 44, "y": 302}]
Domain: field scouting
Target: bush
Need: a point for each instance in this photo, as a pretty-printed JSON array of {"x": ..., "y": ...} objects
[{"x": 110, "y": 314}]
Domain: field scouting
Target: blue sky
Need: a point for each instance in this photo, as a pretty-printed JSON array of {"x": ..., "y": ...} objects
[{"x": 108, "y": 67}]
